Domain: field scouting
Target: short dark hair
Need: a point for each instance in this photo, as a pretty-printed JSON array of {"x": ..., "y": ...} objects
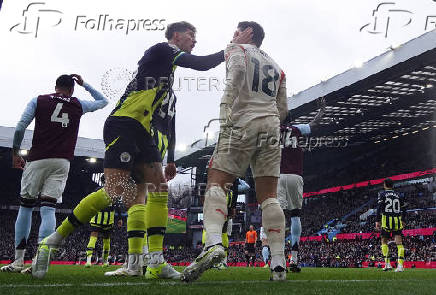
[
  {"x": 258, "y": 33},
  {"x": 178, "y": 27},
  {"x": 389, "y": 183},
  {"x": 65, "y": 81}
]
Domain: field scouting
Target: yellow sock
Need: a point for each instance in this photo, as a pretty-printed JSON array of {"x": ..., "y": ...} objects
[
  {"x": 106, "y": 248},
  {"x": 91, "y": 245},
  {"x": 203, "y": 237},
  {"x": 385, "y": 251},
  {"x": 82, "y": 214},
  {"x": 145, "y": 243},
  {"x": 400, "y": 254},
  {"x": 156, "y": 215},
  {"x": 225, "y": 238},
  {"x": 136, "y": 228}
]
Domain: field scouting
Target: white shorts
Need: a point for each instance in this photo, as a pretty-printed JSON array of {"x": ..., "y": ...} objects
[
  {"x": 256, "y": 145},
  {"x": 46, "y": 177},
  {"x": 290, "y": 191}
]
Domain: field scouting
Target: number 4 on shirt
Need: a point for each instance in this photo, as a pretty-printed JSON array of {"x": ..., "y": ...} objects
[{"x": 57, "y": 116}]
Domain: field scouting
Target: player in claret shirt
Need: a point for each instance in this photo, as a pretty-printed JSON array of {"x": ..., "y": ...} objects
[
  {"x": 57, "y": 117},
  {"x": 290, "y": 187}
]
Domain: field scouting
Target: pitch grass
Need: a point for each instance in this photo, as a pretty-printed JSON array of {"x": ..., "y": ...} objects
[
  {"x": 235, "y": 280},
  {"x": 176, "y": 226}
]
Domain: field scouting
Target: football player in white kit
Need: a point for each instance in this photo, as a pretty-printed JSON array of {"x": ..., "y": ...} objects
[{"x": 252, "y": 107}]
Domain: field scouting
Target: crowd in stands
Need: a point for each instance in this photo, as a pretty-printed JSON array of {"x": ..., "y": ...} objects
[{"x": 317, "y": 212}]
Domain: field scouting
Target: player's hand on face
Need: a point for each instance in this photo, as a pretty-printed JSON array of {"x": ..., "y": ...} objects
[
  {"x": 377, "y": 225},
  {"x": 78, "y": 79},
  {"x": 170, "y": 171},
  {"x": 18, "y": 162},
  {"x": 243, "y": 37}
]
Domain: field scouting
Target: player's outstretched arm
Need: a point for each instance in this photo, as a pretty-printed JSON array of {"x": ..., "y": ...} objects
[
  {"x": 200, "y": 63},
  {"x": 90, "y": 106},
  {"x": 315, "y": 122},
  {"x": 204, "y": 63},
  {"x": 20, "y": 129}
]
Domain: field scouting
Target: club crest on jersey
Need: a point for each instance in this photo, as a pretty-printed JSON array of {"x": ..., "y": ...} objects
[{"x": 125, "y": 157}]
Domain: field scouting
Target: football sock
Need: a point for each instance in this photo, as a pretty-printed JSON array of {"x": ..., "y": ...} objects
[
  {"x": 106, "y": 249},
  {"x": 22, "y": 227},
  {"x": 19, "y": 255},
  {"x": 136, "y": 228},
  {"x": 295, "y": 230},
  {"x": 385, "y": 252},
  {"x": 145, "y": 245},
  {"x": 265, "y": 254},
  {"x": 156, "y": 218},
  {"x": 400, "y": 254},
  {"x": 84, "y": 211},
  {"x": 225, "y": 239},
  {"x": 273, "y": 221},
  {"x": 91, "y": 246},
  {"x": 215, "y": 214},
  {"x": 48, "y": 222}
]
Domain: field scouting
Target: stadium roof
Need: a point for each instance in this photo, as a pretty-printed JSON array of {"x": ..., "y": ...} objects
[{"x": 391, "y": 95}]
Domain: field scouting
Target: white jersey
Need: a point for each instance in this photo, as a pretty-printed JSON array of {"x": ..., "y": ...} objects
[{"x": 255, "y": 86}]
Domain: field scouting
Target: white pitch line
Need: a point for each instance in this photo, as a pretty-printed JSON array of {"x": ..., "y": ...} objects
[{"x": 172, "y": 283}]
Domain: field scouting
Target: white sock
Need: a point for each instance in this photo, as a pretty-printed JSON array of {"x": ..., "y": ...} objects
[
  {"x": 215, "y": 214},
  {"x": 55, "y": 239},
  {"x": 88, "y": 259},
  {"x": 134, "y": 262},
  {"x": 273, "y": 221},
  {"x": 156, "y": 258},
  {"x": 19, "y": 255}
]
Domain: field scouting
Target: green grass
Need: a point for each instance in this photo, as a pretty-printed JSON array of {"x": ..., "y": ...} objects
[
  {"x": 176, "y": 226},
  {"x": 235, "y": 280}
]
